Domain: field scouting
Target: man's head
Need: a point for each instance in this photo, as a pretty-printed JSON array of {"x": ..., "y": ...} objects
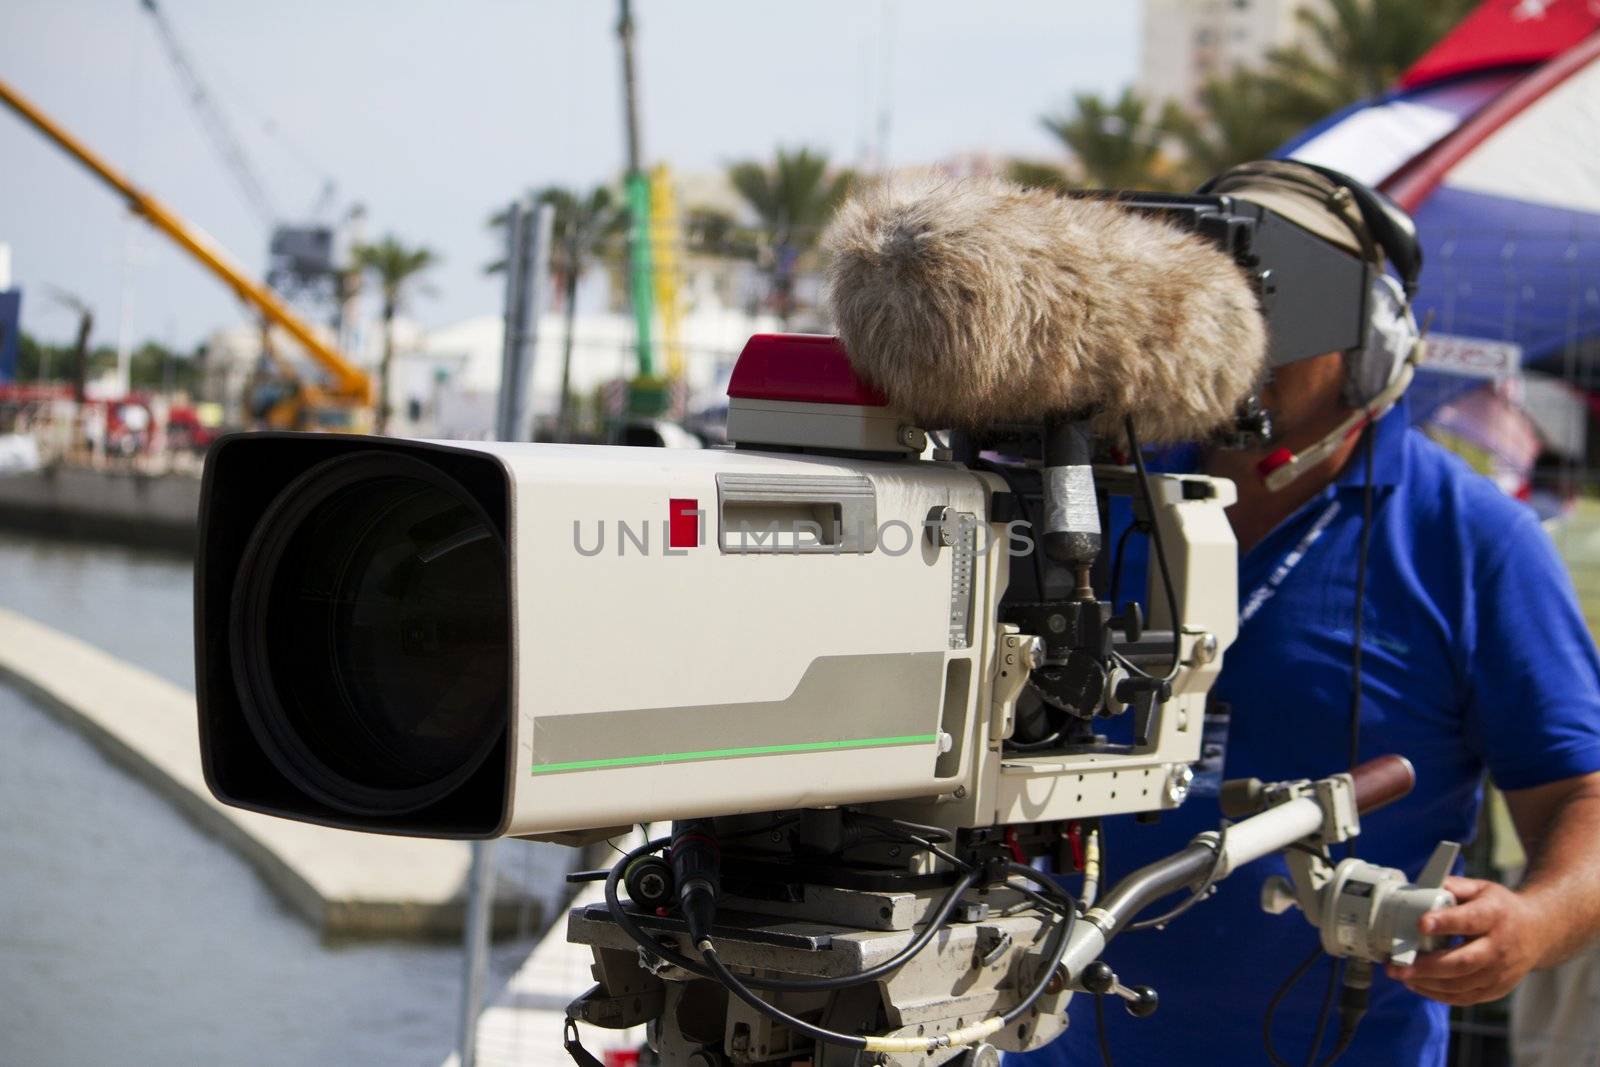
[
  {"x": 1307, "y": 399},
  {"x": 1311, "y": 396}
]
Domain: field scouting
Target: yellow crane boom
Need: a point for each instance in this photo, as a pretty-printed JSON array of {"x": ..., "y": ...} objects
[{"x": 349, "y": 383}]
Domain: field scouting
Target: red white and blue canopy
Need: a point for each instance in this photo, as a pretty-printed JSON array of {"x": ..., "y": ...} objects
[{"x": 1492, "y": 141}]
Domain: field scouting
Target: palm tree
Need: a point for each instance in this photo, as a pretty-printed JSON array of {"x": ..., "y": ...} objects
[
  {"x": 711, "y": 231},
  {"x": 394, "y": 266},
  {"x": 1241, "y": 118},
  {"x": 793, "y": 197},
  {"x": 1116, "y": 144},
  {"x": 1358, "y": 48},
  {"x": 1032, "y": 175},
  {"x": 1353, "y": 50},
  {"x": 581, "y": 222}
]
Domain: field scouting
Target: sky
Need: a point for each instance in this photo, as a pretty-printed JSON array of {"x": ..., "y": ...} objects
[{"x": 433, "y": 113}]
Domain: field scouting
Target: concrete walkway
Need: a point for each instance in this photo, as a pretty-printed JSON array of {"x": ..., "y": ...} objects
[
  {"x": 525, "y": 1023},
  {"x": 346, "y": 884}
]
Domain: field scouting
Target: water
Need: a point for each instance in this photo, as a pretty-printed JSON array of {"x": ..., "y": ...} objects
[
  {"x": 137, "y": 605},
  {"x": 126, "y": 935}
]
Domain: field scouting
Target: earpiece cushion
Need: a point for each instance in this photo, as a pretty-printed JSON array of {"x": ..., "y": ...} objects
[{"x": 1391, "y": 335}]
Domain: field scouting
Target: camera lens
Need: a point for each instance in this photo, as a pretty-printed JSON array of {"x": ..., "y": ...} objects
[{"x": 370, "y": 633}]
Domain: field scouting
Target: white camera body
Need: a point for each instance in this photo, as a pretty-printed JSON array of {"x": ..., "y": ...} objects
[
  {"x": 722, "y": 631},
  {"x": 796, "y": 649}
]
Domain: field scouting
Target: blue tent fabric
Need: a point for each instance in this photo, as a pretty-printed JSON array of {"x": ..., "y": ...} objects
[
  {"x": 1508, "y": 270},
  {"x": 1498, "y": 266},
  {"x": 10, "y": 332}
]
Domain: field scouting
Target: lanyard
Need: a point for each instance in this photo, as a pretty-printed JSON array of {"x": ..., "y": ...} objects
[{"x": 1267, "y": 589}]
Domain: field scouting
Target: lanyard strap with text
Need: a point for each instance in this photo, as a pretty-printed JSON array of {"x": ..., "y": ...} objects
[{"x": 1267, "y": 589}]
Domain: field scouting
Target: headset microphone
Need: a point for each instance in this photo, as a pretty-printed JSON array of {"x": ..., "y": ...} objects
[
  {"x": 1379, "y": 374},
  {"x": 1282, "y": 466}
]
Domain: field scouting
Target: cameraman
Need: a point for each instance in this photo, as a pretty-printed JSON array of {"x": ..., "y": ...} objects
[{"x": 1474, "y": 658}]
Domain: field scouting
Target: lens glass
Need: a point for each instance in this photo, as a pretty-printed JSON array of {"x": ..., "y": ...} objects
[{"x": 386, "y": 636}]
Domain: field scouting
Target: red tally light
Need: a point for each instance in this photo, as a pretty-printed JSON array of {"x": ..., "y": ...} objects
[
  {"x": 683, "y": 523},
  {"x": 804, "y": 368}
]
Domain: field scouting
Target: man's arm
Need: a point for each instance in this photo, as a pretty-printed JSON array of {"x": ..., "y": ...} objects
[{"x": 1551, "y": 917}]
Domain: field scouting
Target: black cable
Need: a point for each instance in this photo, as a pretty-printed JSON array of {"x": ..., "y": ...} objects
[
  {"x": 1057, "y": 898},
  {"x": 1116, "y": 560},
  {"x": 1047, "y": 974},
  {"x": 912, "y": 839},
  {"x": 1323, "y": 1013},
  {"x": 1039, "y": 878},
  {"x": 739, "y": 988},
  {"x": 1063, "y": 935},
  {"x": 933, "y": 924},
  {"x": 915, "y": 833},
  {"x": 1161, "y": 548},
  {"x": 936, "y": 921},
  {"x": 1352, "y": 1006},
  {"x": 1033, "y": 746},
  {"x": 1361, "y": 598},
  {"x": 1008, "y": 475},
  {"x": 1277, "y": 998},
  {"x": 1353, "y": 728},
  {"x": 932, "y": 833},
  {"x": 1219, "y": 848},
  {"x": 1034, "y": 900},
  {"x": 1100, "y": 1028},
  {"x": 732, "y": 984},
  {"x": 1353, "y": 725},
  {"x": 1346, "y": 1039}
]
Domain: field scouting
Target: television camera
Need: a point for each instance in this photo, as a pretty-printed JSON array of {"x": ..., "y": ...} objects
[{"x": 869, "y": 671}]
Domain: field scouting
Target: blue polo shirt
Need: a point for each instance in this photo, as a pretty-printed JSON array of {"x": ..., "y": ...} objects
[{"x": 1475, "y": 659}]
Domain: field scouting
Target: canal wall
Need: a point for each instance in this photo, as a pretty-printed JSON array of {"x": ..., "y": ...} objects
[
  {"x": 120, "y": 506},
  {"x": 348, "y": 885}
]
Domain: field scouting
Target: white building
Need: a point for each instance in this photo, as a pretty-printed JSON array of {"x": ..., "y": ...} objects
[
  {"x": 446, "y": 385},
  {"x": 445, "y": 381},
  {"x": 1188, "y": 42}
]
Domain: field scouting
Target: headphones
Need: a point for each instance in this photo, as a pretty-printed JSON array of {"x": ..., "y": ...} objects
[
  {"x": 1392, "y": 334},
  {"x": 1377, "y": 372},
  {"x": 1387, "y": 224},
  {"x": 1379, "y": 224}
]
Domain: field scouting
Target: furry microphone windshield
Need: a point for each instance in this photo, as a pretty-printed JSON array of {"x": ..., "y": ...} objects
[{"x": 977, "y": 302}]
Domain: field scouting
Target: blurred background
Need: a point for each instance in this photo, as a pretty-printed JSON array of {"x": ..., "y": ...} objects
[{"x": 560, "y": 221}]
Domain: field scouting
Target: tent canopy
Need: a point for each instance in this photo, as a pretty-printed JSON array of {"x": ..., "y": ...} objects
[{"x": 1492, "y": 142}]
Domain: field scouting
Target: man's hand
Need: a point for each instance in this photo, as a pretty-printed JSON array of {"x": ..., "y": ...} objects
[
  {"x": 1507, "y": 938},
  {"x": 1554, "y": 915}
]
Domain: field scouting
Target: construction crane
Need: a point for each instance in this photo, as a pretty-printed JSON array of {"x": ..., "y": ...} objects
[
  {"x": 216, "y": 127},
  {"x": 300, "y": 255},
  {"x": 343, "y": 402}
]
